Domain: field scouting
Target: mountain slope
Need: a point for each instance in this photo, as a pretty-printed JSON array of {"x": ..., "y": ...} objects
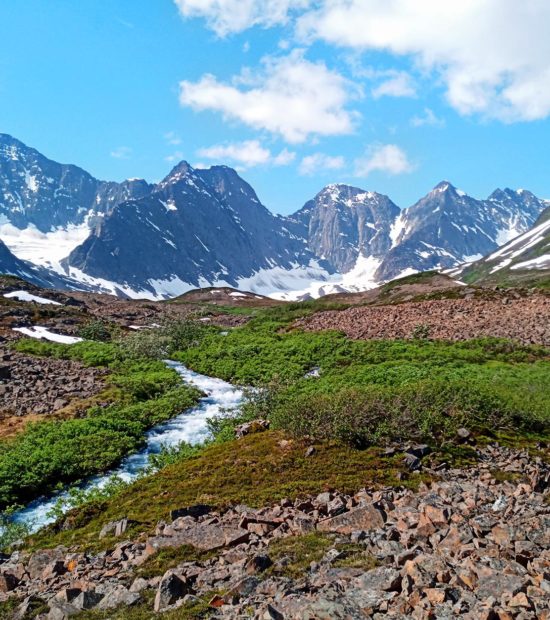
[
  {"x": 342, "y": 223},
  {"x": 197, "y": 227},
  {"x": 13, "y": 266},
  {"x": 448, "y": 227},
  {"x": 524, "y": 261}
]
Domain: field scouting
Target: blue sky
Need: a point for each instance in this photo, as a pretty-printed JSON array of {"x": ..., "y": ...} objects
[{"x": 390, "y": 96}]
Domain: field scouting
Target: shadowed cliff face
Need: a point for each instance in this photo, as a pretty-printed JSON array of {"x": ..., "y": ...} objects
[
  {"x": 342, "y": 222},
  {"x": 196, "y": 225}
]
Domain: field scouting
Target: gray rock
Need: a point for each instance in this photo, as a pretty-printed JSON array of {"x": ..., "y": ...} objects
[{"x": 170, "y": 590}]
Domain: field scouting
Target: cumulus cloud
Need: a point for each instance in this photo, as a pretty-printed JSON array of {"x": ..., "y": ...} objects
[
  {"x": 230, "y": 16},
  {"x": 428, "y": 118},
  {"x": 121, "y": 152},
  {"x": 318, "y": 162},
  {"x": 388, "y": 158},
  {"x": 492, "y": 55},
  {"x": 292, "y": 97},
  {"x": 395, "y": 84},
  {"x": 248, "y": 154}
]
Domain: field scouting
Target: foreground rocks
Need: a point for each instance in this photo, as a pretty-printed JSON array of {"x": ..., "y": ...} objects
[
  {"x": 526, "y": 319},
  {"x": 473, "y": 544}
]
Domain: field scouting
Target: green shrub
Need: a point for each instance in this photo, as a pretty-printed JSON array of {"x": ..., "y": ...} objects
[
  {"x": 96, "y": 330},
  {"x": 427, "y": 410}
]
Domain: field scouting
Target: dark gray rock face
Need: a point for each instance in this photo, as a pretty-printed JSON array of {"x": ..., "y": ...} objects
[
  {"x": 36, "y": 190},
  {"x": 342, "y": 222},
  {"x": 197, "y": 226}
]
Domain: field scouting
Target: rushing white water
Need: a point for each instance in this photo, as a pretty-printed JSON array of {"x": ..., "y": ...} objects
[{"x": 190, "y": 426}]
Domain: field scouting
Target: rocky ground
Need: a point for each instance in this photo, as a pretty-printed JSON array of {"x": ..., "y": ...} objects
[
  {"x": 32, "y": 385},
  {"x": 523, "y": 318},
  {"x": 473, "y": 544}
]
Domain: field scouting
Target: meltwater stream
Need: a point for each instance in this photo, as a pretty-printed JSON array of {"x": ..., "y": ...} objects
[{"x": 189, "y": 426}]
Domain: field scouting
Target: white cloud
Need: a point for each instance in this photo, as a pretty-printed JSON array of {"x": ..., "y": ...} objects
[
  {"x": 428, "y": 118},
  {"x": 320, "y": 162},
  {"x": 177, "y": 156},
  {"x": 121, "y": 152},
  {"x": 172, "y": 138},
  {"x": 230, "y": 16},
  {"x": 291, "y": 97},
  {"x": 248, "y": 154},
  {"x": 387, "y": 158},
  {"x": 284, "y": 158},
  {"x": 492, "y": 55},
  {"x": 396, "y": 84}
]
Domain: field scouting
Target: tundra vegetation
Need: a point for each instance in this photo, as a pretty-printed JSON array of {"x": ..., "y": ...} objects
[{"x": 361, "y": 396}]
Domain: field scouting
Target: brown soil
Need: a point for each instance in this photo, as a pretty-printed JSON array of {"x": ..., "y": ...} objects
[{"x": 526, "y": 319}]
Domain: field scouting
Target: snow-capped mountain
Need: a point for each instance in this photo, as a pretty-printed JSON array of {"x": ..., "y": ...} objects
[
  {"x": 369, "y": 240},
  {"x": 196, "y": 228},
  {"x": 448, "y": 227},
  {"x": 201, "y": 228},
  {"x": 47, "y": 208},
  {"x": 524, "y": 260}
]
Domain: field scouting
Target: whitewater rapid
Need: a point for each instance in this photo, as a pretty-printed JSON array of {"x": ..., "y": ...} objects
[{"x": 189, "y": 426}]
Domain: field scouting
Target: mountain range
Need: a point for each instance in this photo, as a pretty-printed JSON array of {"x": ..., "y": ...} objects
[{"x": 202, "y": 227}]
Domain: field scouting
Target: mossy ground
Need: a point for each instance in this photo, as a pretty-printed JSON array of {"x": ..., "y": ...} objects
[
  {"x": 256, "y": 470},
  {"x": 293, "y": 556}
]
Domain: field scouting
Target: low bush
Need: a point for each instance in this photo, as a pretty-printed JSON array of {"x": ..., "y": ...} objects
[
  {"x": 48, "y": 454},
  {"x": 97, "y": 330},
  {"x": 424, "y": 411}
]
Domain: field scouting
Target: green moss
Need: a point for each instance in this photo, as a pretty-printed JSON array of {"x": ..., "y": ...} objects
[
  {"x": 144, "y": 611},
  {"x": 354, "y": 555},
  {"x": 505, "y": 476},
  {"x": 256, "y": 470},
  {"x": 292, "y": 556}
]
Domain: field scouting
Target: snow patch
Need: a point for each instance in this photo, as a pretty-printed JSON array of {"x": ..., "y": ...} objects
[
  {"x": 397, "y": 228},
  {"x": 44, "y": 249},
  {"x": 43, "y": 333},
  {"x": 26, "y": 296},
  {"x": 540, "y": 262}
]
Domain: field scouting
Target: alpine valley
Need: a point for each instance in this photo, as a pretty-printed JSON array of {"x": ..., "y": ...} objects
[{"x": 59, "y": 226}]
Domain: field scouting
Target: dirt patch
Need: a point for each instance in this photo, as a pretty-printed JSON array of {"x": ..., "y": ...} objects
[{"x": 526, "y": 319}]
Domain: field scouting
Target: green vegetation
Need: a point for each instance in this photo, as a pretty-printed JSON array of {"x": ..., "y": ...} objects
[
  {"x": 365, "y": 394},
  {"x": 97, "y": 330},
  {"x": 51, "y": 453},
  {"x": 292, "y": 556},
  {"x": 143, "y": 611},
  {"x": 261, "y": 468},
  {"x": 170, "y": 557},
  {"x": 369, "y": 392}
]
